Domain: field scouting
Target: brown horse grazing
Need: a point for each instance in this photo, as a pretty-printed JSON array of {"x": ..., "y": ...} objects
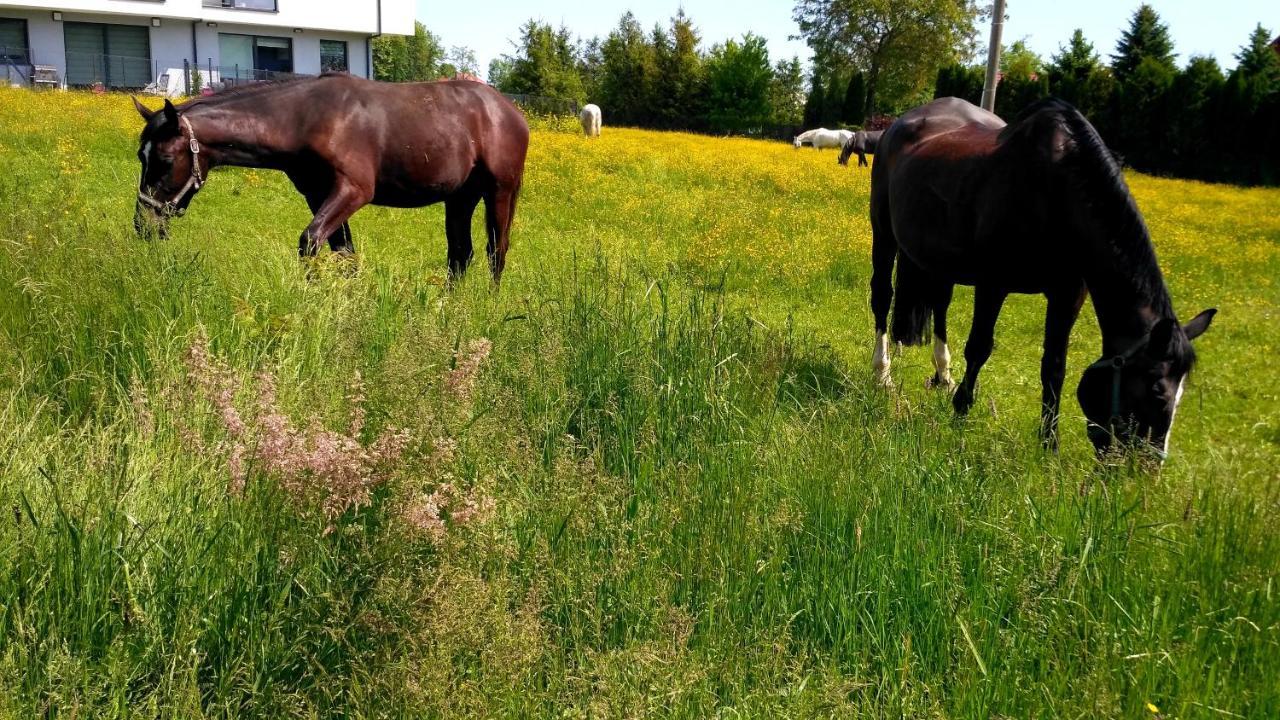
[
  {"x": 346, "y": 142},
  {"x": 1041, "y": 207},
  {"x": 864, "y": 143}
]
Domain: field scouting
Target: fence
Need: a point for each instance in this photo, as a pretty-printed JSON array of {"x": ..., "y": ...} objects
[
  {"x": 544, "y": 105},
  {"x": 112, "y": 71}
]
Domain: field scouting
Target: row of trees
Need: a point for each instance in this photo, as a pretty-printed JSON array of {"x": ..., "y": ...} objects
[
  {"x": 419, "y": 57},
  {"x": 662, "y": 78},
  {"x": 873, "y": 59},
  {"x": 1194, "y": 120}
]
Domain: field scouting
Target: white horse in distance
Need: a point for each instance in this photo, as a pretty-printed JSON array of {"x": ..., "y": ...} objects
[
  {"x": 823, "y": 138},
  {"x": 590, "y": 118}
]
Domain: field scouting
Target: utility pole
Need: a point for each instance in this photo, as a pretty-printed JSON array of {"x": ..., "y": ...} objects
[{"x": 993, "y": 57}]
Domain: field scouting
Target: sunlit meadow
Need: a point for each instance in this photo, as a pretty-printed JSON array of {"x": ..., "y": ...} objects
[{"x": 649, "y": 476}]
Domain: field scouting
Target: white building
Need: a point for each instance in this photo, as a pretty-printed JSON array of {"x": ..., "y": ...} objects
[{"x": 159, "y": 43}]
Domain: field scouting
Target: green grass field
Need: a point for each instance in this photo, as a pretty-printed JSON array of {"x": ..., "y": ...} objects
[{"x": 650, "y": 476}]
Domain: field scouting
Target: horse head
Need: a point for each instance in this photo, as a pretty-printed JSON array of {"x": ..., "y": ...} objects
[
  {"x": 172, "y": 168},
  {"x": 1132, "y": 397}
]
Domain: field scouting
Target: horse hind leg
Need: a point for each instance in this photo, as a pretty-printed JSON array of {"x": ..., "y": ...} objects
[
  {"x": 500, "y": 212},
  {"x": 941, "y": 353}
]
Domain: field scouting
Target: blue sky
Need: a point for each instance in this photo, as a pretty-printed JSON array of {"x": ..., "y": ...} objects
[{"x": 1213, "y": 27}]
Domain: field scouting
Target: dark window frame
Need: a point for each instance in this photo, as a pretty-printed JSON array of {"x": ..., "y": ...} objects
[
  {"x": 293, "y": 64},
  {"x": 346, "y": 56},
  {"x": 25, "y": 58}
]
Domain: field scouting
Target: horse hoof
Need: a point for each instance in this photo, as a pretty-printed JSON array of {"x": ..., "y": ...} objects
[
  {"x": 940, "y": 383},
  {"x": 962, "y": 402}
]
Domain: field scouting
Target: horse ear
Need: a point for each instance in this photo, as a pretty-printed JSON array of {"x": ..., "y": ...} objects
[
  {"x": 143, "y": 110},
  {"x": 1198, "y": 324},
  {"x": 170, "y": 112}
]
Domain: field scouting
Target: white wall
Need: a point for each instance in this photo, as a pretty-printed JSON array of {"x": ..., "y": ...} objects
[
  {"x": 353, "y": 16},
  {"x": 171, "y": 42},
  {"x": 306, "y": 46}
]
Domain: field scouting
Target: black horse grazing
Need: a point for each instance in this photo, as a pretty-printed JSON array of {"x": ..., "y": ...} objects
[
  {"x": 1039, "y": 206},
  {"x": 346, "y": 142},
  {"x": 864, "y": 143}
]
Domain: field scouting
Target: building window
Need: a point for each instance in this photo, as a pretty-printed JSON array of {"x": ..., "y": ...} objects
[
  {"x": 13, "y": 42},
  {"x": 333, "y": 55},
  {"x": 253, "y": 57},
  {"x": 260, "y": 5},
  {"x": 117, "y": 56}
]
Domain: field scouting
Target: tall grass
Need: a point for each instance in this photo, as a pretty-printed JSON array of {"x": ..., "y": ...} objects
[{"x": 701, "y": 503}]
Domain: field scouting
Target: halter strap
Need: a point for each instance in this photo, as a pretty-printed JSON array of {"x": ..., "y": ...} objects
[
  {"x": 196, "y": 179},
  {"x": 1117, "y": 363}
]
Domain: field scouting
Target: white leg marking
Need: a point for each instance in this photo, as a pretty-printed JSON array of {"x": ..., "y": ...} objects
[
  {"x": 1177, "y": 400},
  {"x": 942, "y": 362},
  {"x": 880, "y": 360}
]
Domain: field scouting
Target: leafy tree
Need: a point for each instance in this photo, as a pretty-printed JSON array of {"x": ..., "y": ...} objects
[
  {"x": 407, "y": 59},
  {"x": 680, "y": 84},
  {"x": 460, "y": 60},
  {"x": 627, "y": 72},
  {"x": 1077, "y": 75},
  {"x": 1023, "y": 80},
  {"x": 1146, "y": 39},
  {"x": 1259, "y": 61},
  {"x": 738, "y": 79},
  {"x": 1196, "y": 89},
  {"x": 855, "y": 99},
  {"x": 961, "y": 81},
  {"x": 500, "y": 71},
  {"x": 1020, "y": 61},
  {"x": 786, "y": 92},
  {"x": 814, "y": 102},
  {"x": 1076, "y": 61},
  {"x": 833, "y": 103},
  {"x": 591, "y": 68},
  {"x": 1142, "y": 117},
  {"x": 899, "y": 45},
  {"x": 545, "y": 64}
]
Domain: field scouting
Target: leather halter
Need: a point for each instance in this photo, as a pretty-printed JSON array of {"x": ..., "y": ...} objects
[
  {"x": 1117, "y": 363},
  {"x": 195, "y": 180}
]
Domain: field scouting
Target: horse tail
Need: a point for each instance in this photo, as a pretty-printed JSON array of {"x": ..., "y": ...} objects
[{"x": 913, "y": 301}]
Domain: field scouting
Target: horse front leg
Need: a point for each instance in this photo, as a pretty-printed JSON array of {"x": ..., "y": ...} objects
[
  {"x": 329, "y": 218},
  {"x": 987, "y": 302},
  {"x": 1063, "y": 309}
]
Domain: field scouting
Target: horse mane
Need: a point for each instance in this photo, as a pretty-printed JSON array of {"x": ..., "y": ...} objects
[
  {"x": 254, "y": 89},
  {"x": 1092, "y": 171}
]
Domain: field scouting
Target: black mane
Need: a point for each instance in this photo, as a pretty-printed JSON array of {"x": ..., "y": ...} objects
[{"x": 1091, "y": 169}]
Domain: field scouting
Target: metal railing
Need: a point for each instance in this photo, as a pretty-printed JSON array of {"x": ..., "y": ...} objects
[
  {"x": 15, "y": 64},
  {"x": 540, "y": 105},
  {"x": 113, "y": 71},
  {"x": 231, "y": 75}
]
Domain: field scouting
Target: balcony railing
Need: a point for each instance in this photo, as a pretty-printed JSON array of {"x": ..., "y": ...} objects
[{"x": 258, "y": 5}]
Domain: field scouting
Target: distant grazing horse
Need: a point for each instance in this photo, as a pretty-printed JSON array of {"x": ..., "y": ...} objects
[
  {"x": 590, "y": 118},
  {"x": 864, "y": 143},
  {"x": 1039, "y": 207},
  {"x": 821, "y": 138},
  {"x": 345, "y": 143}
]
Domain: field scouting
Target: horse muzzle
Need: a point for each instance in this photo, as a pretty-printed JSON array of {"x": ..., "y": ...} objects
[
  {"x": 150, "y": 221},
  {"x": 1126, "y": 438}
]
